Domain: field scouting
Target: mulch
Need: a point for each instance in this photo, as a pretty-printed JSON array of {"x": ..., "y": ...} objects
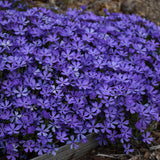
[{"x": 115, "y": 151}]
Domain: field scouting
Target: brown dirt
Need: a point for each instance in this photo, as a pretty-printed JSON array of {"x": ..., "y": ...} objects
[
  {"x": 149, "y": 9},
  {"x": 115, "y": 152}
]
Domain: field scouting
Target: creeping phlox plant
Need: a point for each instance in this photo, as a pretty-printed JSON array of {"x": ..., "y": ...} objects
[{"x": 65, "y": 76}]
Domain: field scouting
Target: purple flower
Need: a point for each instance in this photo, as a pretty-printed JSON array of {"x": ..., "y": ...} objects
[
  {"x": 110, "y": 112},
  {"x": 31, "y": 130},
  {"x": 23, "y": 102},
  {"x": 112, "y": 135},
  {"x": 73, "y": 142},
  {"x": 104, "y": 126},
  {"x": 13, "y": 129},
  {"x": 31, "y": 82},
  {"x": 74, "y": 121},
  {"x": 19, "y": 30},
  {"x": 6, "y": 115},
  {"x": 6, "y": 43},
  {"x": 68, "y": 54},
  {"x": 99, "y": 63},
  {"x": 62, "y": 136},
  {"x": 83, "y": 84},
  {"x": 96, "y": 108},
  {"x": 27, "y": 49},
  {"x": 52, "y": 38},
  {"x": 50, "y": 60},
  {"x": 5, "y": 105},
  {"x": 46, "y": 91},
  {"x": 29, "y": 146},
  {"x": 62, "y": 82},
  {"x": 126, "y": 133},
  {"x": 45, "y": 75},
  {"x": 87, "y": 37},
  {"x": 54, "y": 126},
  {"x": 53, "y": 149},
  {"x": 12, "y": 155},
  {"x": 123, "y": 123},
  {"x": 21, "y": 91},
  {"x": 139, "y": 48},
  {"x": 43, "y": 103},
  {"x": 2, "y": 130},
  {"x": 42, "y": 131},
  {"x": 15, "y": 116},
  {"x": 92, "y": 127},
  {"x": 5, "y": 4},
  {"x": 147, "y": 138},
  {"x": 44, "y": 139},
  {"x": 40, "y": 149},
  {"x": 101, "y": 139},
  {"x": 104, "y": 90},
  {"x": 127, "y": 148},
  {"x": 80, "y": 134}
]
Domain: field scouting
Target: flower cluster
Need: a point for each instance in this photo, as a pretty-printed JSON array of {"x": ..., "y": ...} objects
[{"x": 64, "y": 76}]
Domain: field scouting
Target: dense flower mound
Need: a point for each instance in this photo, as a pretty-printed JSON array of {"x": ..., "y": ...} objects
[{"x": 65, "y": 76}]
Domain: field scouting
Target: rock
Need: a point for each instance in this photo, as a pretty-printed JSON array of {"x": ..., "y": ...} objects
[
  {"x": 146, "y": 155},
  {"x": 62, "y": 4},
  {"x": 128, "y": 6},
  {"x": 149, "y": 9},
  {"x": 155, "y": 133},
  {"x": 43, "y": 1},
  {"x": 52, "y": 2}
]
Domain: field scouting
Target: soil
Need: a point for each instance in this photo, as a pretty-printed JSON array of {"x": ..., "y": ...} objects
[
  {"x": 115, "y": 151},
  {"x": 149, "y": 9}
]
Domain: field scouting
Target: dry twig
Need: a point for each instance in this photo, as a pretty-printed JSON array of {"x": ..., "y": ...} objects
[
  {"x": 136, "y": 157},
  {"x": 154, "y": 147},
  {"x": 115, "y": 156}
]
